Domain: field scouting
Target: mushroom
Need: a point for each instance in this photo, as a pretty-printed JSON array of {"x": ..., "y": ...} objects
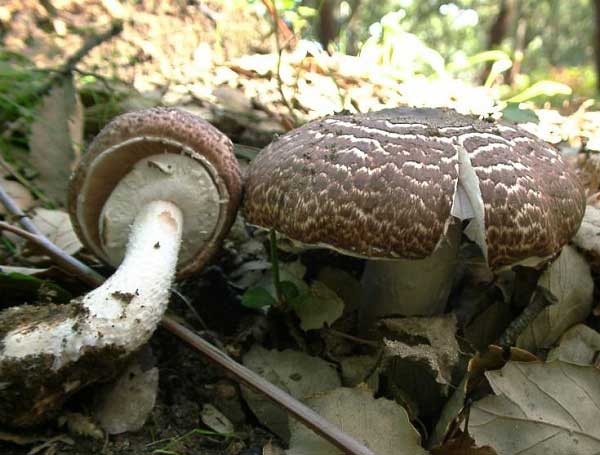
[
  {"x": 400, "y": 186},
  {"x": 156, "y": 193}
]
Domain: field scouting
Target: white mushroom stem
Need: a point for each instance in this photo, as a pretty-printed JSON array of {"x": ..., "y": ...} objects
[
  {"x": 123, "y": 312},
  {"x": 405, "y": 287}
]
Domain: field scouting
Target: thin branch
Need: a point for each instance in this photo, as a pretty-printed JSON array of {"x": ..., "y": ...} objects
[
  {"x": 26, "y": 183},
  {"x": 64, "y": 261},
  {"x": 292, "y": 406},
  {"x": 536, "y": 305},
  {"x": 67, "y": 67},
  {"x": 275, "y": 14},
  {"x": 280, "y": 26},
  {"x": 358, "y": 340}
]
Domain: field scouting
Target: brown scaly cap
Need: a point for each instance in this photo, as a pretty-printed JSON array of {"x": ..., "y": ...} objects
[
  {"x": 382, "y": 184},
  {"x": 142, "y": 134}
]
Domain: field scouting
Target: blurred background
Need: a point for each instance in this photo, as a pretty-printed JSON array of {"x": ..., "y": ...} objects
[{"x": 256, "y": 68}]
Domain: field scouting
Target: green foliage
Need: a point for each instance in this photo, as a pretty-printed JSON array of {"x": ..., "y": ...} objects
[
  {"x": 433, "y": 37},
  {"x": 513, "y": 113},
  {"x": 541, "y": 88},
  {"x": 28, "y": 288},
  {"x": 175, "y": 444},
  {"x": 19, "y": 85}
]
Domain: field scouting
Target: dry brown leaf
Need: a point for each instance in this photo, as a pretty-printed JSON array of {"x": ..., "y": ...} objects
[
  {"x": 587, "y": 238},
  {"x": 568, "y": 284},
  {"x": 56, "y": 225},
  {"x": 580, "y": 344},
  {"x": 297, "y": 373},
  {"x": 56, "y": 139},
  {"x": 20, "y": 195},
  {"x": 380, "y": 424},
  {"x": 462, "y": 445},
  {"x": 540, "y": 409}
]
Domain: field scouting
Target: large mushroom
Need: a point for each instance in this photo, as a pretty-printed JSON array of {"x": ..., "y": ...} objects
[
  {"x": 155, "y": 195},
  {"x": 399, "y": 186}
]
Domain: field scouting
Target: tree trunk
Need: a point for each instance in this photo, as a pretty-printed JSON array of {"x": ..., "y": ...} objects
[
  {"x": 328, "y": 29},
  {"x": 500, "y": 26},
  {"x": 519, "y": 51},
  {"x": 597, "y": 41},
  {"x": 499, "y": 30}
]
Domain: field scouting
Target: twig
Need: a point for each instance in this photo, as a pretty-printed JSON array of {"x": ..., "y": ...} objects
[
  {"x": 536, "y": 306},
  {"x": 358, "y": 340},
  {"x": 280, "y": 26},
  {"x": 26, "y": 183},
  {"x": 73, "y": 60},
  {"x": 66, "y": 262},
  {"x": 275, "y": 14},
  {"x": 295, "y": 408},
  {"x": 190, "y": 307}
]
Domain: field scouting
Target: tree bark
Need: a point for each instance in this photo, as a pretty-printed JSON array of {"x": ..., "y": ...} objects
[
  {"x": 500, "y": 26},
  {"x": 519, "y": 51},
  {"x": 328, "y": 29},
  {"x": 499, "y": 30},
  {"x": 597, "y": 41}
]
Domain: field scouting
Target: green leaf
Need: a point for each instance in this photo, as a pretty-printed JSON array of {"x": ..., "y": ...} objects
[
  {"x": 513, "y": 113},
  {"x": 22, "y": 287},
  {"x": 317, "y": 307},
  {"x": 258, "y": 297},
  {"x": 289, "y": 290},
  {"x": 488, "y": 56},
  {"x": 541, "y": 88}
]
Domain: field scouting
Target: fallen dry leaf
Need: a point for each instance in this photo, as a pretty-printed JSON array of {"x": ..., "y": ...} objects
[
  {"x": 297, "y": 373},
  {"x": 580, "y": 344},
  {"x": 20, "y": 195},
  {"x": 56, "y": 139},
  {"x": 56, "y": 225},
  {"x": 587, "y": 238},
  {"x": 569, "y": 286},
  {"x": 540, "y": 409},
  {"x": 380, "y": 424},
  {"x": 493, "y": 358}
]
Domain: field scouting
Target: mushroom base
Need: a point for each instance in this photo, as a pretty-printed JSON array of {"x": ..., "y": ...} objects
[
  {"x": 49, "y": 352},
  {"x": 403, "y": 287}
]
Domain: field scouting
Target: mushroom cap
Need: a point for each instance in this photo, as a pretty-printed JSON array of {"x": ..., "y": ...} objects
[
  {"x": 135, "y": 136},
  {"x": 382, "y": 185}
]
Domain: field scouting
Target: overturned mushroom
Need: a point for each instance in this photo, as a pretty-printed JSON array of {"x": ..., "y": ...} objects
[
  {"x": 396, "y": 185},
  {"x": 156, "y": 193}
]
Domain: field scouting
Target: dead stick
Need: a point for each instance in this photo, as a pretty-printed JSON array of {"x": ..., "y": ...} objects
[
  {"x": 535, "y": 306},
  {"x": 278, "y": 70},
  {"x": 67, "y": 67},
  {"x": 294, "y": 407}
]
